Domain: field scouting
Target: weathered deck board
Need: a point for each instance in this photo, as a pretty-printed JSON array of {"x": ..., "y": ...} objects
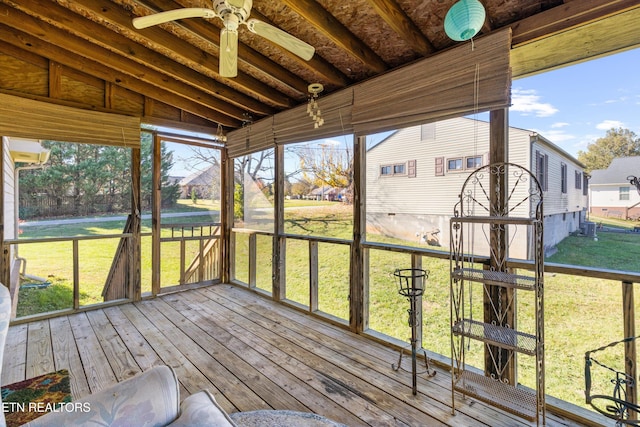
[
  {"x": 66, "y": 356},
  {"x": 40, "y": 354},
  {"x": 250, "y": 352},
  {"x": 246, "y": 373},
  {"x": 14, "y": 361},
  {"x": 356, "y": 354},
  {"x": 122, "y": 362},
  {"x": 239, "y": 393},
  {"x": 313, "y": 400},
  {"x": 96, "y": 366},
  {"x": 351, "y": 349},
  {"x": 189, "y": 375},
  {"x": 142, "y": 352},
  {"x": 335, "y": 381}
]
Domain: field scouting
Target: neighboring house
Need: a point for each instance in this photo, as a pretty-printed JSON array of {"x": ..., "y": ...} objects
[
  {"x": 205, "y": 184},
  {"x": 610, "y": 192},
  {"x": 415, "y": 175},
  {"x": 325, "y": 192}
]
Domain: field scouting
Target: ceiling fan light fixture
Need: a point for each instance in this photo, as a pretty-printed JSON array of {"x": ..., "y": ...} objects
[{"x": 464, "y": 20}]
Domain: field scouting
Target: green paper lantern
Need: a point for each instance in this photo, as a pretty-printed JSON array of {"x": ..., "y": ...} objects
[{"x": 464, "y": 20}]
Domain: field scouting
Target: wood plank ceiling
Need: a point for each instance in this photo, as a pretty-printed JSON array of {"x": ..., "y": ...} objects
[{"x": 86, "y": 53}]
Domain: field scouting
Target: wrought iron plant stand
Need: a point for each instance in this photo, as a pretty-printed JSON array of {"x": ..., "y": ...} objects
[{"x": 498, "y": 218}]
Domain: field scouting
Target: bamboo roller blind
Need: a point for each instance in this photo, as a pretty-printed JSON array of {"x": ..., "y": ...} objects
[
  {"x": 471, "y": 77},
  {"x": 27, "y": 118},
  {"x": 294, "y": 125}
]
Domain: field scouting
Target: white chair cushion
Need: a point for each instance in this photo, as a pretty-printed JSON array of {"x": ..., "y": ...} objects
[
  {"x": 148, "y": 399},
  {"x": 201, "y": 409}
]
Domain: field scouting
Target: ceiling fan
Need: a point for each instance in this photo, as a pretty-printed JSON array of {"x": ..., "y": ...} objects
[{"x": 233, "y": 13}]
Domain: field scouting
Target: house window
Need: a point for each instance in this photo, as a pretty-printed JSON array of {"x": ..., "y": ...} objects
[
  {"x": 391, "y": 170},
  {"x": 563, "y": 177},
  {"x": 624, "y": 193},
  {"x": 542, "y": 170},
  {"x": 454, "y": 165},
  {"x": 578, "y": 180},
  {"x": 474, "y": 162},
  {"x": 585, "y": 184}
]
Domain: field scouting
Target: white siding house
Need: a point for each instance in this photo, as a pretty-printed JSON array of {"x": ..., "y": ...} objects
[
  {"x": 611, "y": 194},
  {"x": 415, "y": 175},
  {"x": 9, "y": 191}
]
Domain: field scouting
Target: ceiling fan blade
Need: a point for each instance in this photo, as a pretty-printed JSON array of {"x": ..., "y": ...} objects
[
  {"x": 238, "y": 4},
  {"x": 172, "y": 15},
  {"x": 228, "y": 53},
  {"x": 282, "y": 38}
]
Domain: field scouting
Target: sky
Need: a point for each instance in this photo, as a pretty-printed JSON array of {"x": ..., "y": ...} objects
[{"x": 574, "y": 106}]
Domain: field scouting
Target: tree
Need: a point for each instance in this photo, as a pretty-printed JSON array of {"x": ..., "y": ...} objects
[
  {"x": 327, "y": 164},
  {"x": 617, "y": 143},
  {"x": 90, "y": 173}
]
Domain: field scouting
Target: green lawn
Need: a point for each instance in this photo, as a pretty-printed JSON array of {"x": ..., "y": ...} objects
[{"x": 580, "y": 313}]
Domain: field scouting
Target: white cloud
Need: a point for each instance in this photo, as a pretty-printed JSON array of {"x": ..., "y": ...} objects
[
  {"x": 557, "y": 136},
  {"x": 608, "y": 124},
  {"x": 559, "y": 125},
  {"x": 528, "y": 102}
]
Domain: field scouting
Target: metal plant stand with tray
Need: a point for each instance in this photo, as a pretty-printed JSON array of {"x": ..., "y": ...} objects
[{"x": 411, "y": 283}]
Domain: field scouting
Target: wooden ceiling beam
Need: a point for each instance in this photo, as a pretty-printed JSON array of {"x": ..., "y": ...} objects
[
  {"x": 211, "y": 33},
  {"x": 88, "y": 30},
  {"x": 397, "y": 19},
  {"x": 186, "y": 53},
  {"x": 80, "y": 62},
  {"x": 328, "y": 25},
  {"x": 126, "y": 70},
  {"x": 566, "y": 16}
]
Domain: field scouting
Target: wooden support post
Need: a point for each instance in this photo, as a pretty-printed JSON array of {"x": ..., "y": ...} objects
[
  {"x": 253, "y": 259},
  {"x": 76, "y": 274},
  {"x": 630, "y": 357},
  {"x": 279, "y": 289},
  {"x": 136, "y": 228},
  {"x": 156, "y": 201},
  {"x": 358, "y": 283},
  {"x": 313, "y": 276},
  {"x": 183, "y": 256},
  {"x": 227, "y": 240},
  {"x": 201, "y": 263},
  {"x": 497, "y": 296}
]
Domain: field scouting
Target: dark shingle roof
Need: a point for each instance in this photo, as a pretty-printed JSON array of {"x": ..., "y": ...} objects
[{"x": 617, "y": 172}]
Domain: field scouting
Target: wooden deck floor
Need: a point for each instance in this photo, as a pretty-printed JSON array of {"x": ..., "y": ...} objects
[{"x": 250, "y": 352}]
